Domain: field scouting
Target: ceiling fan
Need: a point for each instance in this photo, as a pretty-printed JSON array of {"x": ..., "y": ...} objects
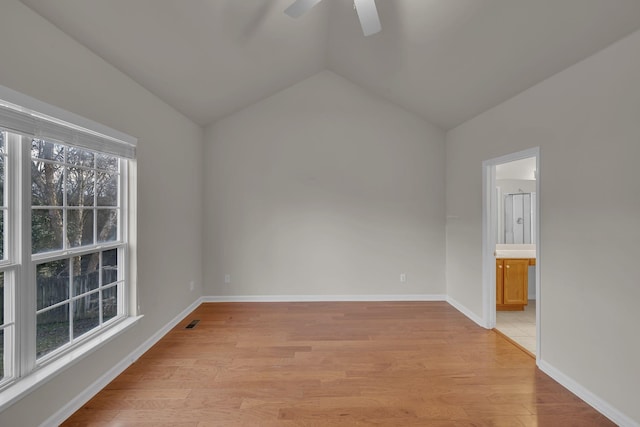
[{"x": 366, "y": 9}]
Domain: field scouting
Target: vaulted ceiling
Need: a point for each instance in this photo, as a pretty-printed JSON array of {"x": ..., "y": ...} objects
[{"x": 445, "y": 60}]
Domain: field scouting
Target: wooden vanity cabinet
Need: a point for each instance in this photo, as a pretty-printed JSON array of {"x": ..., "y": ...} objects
[{"x": 512, "y": 283}]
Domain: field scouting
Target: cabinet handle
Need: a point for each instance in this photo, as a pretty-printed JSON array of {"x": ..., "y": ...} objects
[
  {"x": 499, "y": 266},
  {"x": 508, "y": 266}
]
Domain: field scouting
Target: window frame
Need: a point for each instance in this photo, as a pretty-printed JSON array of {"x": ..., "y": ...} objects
[
  {"x": 19, "y": 264},
  {"x": 68, "y": 253},
  {"x": 65, "y": 207}
]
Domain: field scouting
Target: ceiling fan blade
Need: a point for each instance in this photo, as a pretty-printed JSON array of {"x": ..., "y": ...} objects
[
  {"x": 368, "y": 15},
  {"x": 300, "y": 7}
]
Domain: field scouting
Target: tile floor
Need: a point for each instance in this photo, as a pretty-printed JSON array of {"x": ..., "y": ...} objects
[{"x": 520, "y": 326}]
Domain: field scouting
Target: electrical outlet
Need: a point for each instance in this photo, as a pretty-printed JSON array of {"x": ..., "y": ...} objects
[
  {"x": 192, "y": 285},
  {"x": 227, "y": 278},
  {"x": 403, "y": 278}
]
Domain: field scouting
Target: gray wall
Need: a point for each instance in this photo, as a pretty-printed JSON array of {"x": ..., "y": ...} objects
[
  {"x": 585, "y": 120},
  {"x": 323, "y": 189},
  {"x": 39, "y": 60}
]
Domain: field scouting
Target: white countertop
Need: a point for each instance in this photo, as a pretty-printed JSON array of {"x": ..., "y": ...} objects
[{"x": 515, "y": 251}]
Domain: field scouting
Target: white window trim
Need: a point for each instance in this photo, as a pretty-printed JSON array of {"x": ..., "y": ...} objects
[
  {"x": 36, "y": 118},
  {"x": 29, "y": 375},
  {"x": 25, "y": 385}
]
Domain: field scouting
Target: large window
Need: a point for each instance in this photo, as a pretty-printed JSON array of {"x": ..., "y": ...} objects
[
  {"x": 63, "y": 239},
  {"x": 75, "y": 208}
]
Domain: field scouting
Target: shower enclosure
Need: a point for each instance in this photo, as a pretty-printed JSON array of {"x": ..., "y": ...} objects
[{"x": 519, "y": 218}]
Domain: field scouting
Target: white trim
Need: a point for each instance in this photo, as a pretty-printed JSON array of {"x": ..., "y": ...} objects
[
  {"x": 25, "y": 115},
  {"x": 70, "y": 408},
  {"x": 322, "y": 298},
  {"x": 464, "y": 310},
  {"x": 37, "y": 378},
  {"x": 489, "y": 240},
  {"x": 488, "y": 245},
  {"x": 17, "y": 98},
  {"x": 605, "y": 408}
]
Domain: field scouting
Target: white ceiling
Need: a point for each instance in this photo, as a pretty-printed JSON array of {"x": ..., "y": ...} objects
[{"x": 446, "y": 60}]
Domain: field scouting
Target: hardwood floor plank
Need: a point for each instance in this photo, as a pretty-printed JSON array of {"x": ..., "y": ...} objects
[{"x": 334, "y": 364}]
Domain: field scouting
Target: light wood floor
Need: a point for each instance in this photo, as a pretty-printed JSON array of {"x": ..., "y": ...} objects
[{"x": 334, "y": 364}]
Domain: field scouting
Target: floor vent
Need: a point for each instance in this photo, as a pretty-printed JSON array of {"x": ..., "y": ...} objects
[{"x": 192, "y": 324}]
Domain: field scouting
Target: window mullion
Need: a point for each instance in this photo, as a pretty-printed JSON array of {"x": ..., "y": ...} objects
[
  {"x": 25, "y": 277},
  {"x": 70, "y": 300},
  {"x": 65, "y": 213},
  {"x": 95, "y": 200},
  {"x": 100, "y": 313},
  {"x": 10, "y": 211},
  {"x": 128, "y": 302}
]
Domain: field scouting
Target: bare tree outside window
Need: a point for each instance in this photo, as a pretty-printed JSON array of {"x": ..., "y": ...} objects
[
  {"x": 75, "y": 204},
  {"x": 64, "y": 251}
]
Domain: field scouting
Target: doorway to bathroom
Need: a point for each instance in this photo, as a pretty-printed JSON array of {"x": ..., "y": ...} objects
[{"x": 511, "y": 262}]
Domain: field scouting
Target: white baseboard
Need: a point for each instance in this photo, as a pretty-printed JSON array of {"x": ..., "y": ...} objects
[
  {"x": 322, "y": 298},
  {"x": 464, "y": 310},
  {"x": 596, "y": 402},
  {"x": 75, "y": 404}
]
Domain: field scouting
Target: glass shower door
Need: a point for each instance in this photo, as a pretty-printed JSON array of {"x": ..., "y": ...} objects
[{"x": 518, "y": 218}]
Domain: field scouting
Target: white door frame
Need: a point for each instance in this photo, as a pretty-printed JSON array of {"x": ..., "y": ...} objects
[{"x": 489, "y": 232}]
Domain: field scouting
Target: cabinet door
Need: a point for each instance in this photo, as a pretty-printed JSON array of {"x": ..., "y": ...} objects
[
  {"x": 515, "y": 284},
  {"x": 499, "y": 281}
]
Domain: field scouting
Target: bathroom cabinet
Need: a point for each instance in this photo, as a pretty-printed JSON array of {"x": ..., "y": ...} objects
[{"x": 512, "y": 287}]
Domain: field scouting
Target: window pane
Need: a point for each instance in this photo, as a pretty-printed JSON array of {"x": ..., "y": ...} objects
[
  {"x": 46, "y": 184},
  {"x": 109, "y": 266},
  {"x": 47, "y": 150},
  {"x": 2, "y": 194},
  {"x": 85, "y": 273},
  {"x": 1, "y": 353},
  {"x": 79, "y": 187},
  {"x": 52, "y": 281},
  {"x": 107, "y": 189},
  {"x": 108, "y": 163},
  {"x": 86, "y": 314},
  {"x": 52, "y": 330},
  {"x": 80, "y": 157},
  {"x": 2, "y": 180},
  {"x": 2, "y": 298},
  {"x": 79, "y": 227},
  {"x": 109, "y": 303},
  {"x": 46, "y": 230},
  {"x": 107, "y": 225},
  {"x": 75, "y": 198},
  {"x": 2, "y": 218}
]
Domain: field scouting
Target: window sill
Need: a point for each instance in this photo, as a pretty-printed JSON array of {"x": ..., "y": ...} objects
[{"x": 23, "y": 386}]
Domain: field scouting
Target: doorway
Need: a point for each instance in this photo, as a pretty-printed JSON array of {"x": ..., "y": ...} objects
[{"x": 511, "y": 249}]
